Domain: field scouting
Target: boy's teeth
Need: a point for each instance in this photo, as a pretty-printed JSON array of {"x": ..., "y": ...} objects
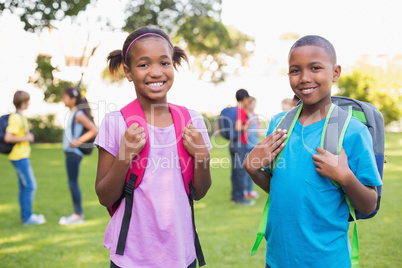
[
  {"x": 307, "y": 89},
  {"x": 155, "y": 84}
]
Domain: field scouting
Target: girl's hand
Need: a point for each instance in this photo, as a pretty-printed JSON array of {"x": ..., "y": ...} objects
[
  {"x": 75, "y": 143},
  {"x": 132, "y": 142},
  {"x": 334, "y": 167},
  {"x": 194, "y": 143},
  {"x": 265, "y": 151}
]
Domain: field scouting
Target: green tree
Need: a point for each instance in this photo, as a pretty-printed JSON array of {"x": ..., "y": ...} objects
[
  {"x": 376, "y": 85},
  {"x": 196, "y": 25},
  {"x": 44, "y": 79},
  {"x": 38, "y": 14}
]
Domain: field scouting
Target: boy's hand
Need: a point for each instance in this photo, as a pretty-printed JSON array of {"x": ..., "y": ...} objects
[
  {"x": 132, "y": 141},
  {"x": 334, "y": 167},
  {"x": 265, "y": 151},
  {"x": 194, "y": 143}
]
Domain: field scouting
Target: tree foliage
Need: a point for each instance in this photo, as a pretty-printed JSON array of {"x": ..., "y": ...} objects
[
  {"x": 44, "y": 79},
  {"x": 38, "y": 14},
  {"x": 379, "y": 86},
  {"x": 195, "y": 25}
]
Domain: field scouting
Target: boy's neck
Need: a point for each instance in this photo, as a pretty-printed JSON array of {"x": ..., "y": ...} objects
[{"x": 311, "y": 114}]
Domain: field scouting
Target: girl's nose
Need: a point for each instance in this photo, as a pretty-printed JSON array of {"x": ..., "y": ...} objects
[{"x": 156, "y": 71}]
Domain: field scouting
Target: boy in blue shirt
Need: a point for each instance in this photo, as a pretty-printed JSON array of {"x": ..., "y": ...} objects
[{"x": 308, "y": 216}]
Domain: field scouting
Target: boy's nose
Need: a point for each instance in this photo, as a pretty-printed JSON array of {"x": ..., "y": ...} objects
[{"x": 305, "y": 77}]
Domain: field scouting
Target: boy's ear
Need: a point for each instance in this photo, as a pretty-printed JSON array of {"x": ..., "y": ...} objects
[
  {"x": 128, "y": 73},
  {"x": 336, "y": 73}
]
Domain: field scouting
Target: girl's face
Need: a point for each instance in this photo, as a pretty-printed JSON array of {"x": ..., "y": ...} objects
[
  {"x": 151, "y": 68},
  {"x": 311, "y": 74},
  {"x": 68, "y": 101}
]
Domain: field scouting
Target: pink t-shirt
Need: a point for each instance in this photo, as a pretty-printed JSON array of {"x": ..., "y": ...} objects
[{"x": 161, "y": 232}]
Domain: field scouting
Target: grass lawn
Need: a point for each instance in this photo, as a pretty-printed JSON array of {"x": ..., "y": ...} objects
[{"x": 226, "y": 231}]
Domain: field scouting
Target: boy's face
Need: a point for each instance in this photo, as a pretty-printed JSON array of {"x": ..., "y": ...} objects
[{"x": 311, "y": 74}]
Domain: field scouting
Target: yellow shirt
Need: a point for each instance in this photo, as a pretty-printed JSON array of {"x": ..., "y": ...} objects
[{"x": 18, "y": 126}]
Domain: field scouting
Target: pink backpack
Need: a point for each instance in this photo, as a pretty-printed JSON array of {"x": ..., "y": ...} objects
[{"x": 133, "y": 113}]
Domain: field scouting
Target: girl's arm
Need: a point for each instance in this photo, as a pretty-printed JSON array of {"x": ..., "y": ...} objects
[
  {"x": 88, "y": 124},
  {"x": 112, "y": 171},
  {"x": 195, "y": 145},
  {"x": 262, "y": 154},
  {"x": 336, "y": 168}
]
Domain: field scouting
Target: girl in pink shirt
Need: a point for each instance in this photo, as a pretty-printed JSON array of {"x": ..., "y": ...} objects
[{"x": 161, "y": 231}]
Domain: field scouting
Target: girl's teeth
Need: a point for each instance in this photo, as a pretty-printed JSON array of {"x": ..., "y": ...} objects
[{"x": 155, "y": 84}]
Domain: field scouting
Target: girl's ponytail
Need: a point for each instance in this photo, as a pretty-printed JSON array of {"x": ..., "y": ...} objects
[
  {"x": 178, "y": 55},
  {"x": 115, "y": 60}
]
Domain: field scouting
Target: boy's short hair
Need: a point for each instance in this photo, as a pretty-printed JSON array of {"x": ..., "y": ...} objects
[
  {"x": 315, "y": 40},
  {"x": 20, "y": 97},
  {"x": 241, "y": 94}
]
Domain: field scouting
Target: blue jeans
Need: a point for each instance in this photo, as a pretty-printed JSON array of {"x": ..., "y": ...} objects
[
  {"x": 238, "y": 151},
  {"x": 248, "y": 182},
  {"x": 27, "y": 186},
  {"x": 73, "y": 161}
]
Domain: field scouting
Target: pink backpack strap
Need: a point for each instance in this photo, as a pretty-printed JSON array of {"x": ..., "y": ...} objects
[
  {"x": 133, "y": 113},
  {"x": 181, "y": 118}
]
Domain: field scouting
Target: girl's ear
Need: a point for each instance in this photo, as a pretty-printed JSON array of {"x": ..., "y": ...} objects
[
  {"x": 127, "y": 71},
  {"x": 336, "y": 73}
]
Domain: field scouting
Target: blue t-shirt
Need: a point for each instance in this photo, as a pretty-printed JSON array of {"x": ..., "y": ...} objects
[
  {"x": 68, "y": 136},
  {"x": 308, "y": 216}
]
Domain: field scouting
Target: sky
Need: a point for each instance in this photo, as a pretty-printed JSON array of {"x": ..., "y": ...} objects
[{"x": 355, "y": 28}]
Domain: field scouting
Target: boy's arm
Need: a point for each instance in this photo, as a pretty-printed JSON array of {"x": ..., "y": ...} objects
[
  {"x": 336, "y": 168},
  {"x": 262, "y": 154}
]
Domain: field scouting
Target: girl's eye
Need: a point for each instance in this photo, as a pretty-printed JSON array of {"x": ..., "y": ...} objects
[
  {"x": 165, "y": 63},
  {"x": 143, "y": 65}
]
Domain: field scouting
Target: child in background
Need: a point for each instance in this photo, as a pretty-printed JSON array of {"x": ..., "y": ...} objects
[
  {"x": 252, "y": 140},
  {"x": 161, "y": 232},
  {"x": 80, "y": 112},
  {"x": 18, "y": 132},
  {"x": 308, "y": 216}
]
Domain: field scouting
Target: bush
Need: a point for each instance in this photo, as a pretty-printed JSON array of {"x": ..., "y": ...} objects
[{"x": 45, "y": 129}]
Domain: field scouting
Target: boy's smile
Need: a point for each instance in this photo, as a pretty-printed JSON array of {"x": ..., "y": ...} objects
[{"x": 311, "y": 74}]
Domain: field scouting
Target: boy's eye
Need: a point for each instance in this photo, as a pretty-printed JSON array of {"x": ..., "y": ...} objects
[
  {"x": 294, "y": 71},
  {"x": 316, "y": 68}
]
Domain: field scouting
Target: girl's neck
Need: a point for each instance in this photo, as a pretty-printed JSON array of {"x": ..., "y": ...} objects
[{"x": 157, "y": 113}]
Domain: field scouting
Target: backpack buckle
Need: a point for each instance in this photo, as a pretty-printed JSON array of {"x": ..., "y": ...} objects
[{"x": 130, "y": 185}]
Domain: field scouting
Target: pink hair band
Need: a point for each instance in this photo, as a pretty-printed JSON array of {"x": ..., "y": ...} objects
[{"x": 132, "y": 42}]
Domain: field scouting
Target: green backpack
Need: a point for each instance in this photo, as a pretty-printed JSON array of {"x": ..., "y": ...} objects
[{"x": 335, "y": 126}]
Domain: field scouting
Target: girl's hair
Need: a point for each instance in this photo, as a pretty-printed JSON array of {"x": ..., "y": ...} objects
[
  {"x": 20, "y": 97},
  {"x": 119, "y": 57},
  {"x": 81, "y": 102},
  {"x": 318, "y": 41}
]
